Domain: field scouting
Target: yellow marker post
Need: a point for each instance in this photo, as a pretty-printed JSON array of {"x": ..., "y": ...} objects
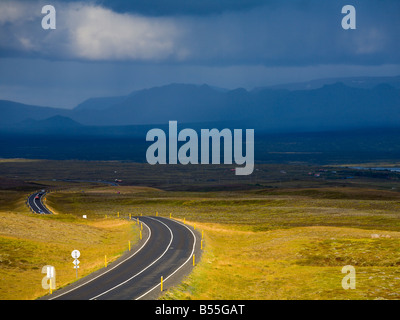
[
  {"x": 201, "y": 245},
  {"x": 129, "y": 245},
  {"x": 161, "y": 283},
  {"x": 193, "y": 260},
  {"x": 194, "y": 227},
  {"x": 51, "y": 289},
  {"x": 156, "y": 213},
  {"x": 170, "y": 215},
  {"x": 184, "y": 220},
  {"x": 140, "y": 234},
  {"x": 137, "y": 220},
  {"x": 118, "y": 214},
  {"x": 141, "y": 226}
]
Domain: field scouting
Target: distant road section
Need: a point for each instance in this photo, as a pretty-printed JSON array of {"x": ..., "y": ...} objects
[{"x": 35, "y": 202}]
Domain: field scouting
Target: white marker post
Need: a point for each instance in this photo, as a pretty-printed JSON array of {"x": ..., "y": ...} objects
[
  {"x": 49, "y": 281},
  {"x": 76, "y": 254}
]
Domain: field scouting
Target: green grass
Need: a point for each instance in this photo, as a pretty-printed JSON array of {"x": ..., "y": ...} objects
[
  {"x": 383, "y": 252},
  {"x": 28, "y": 242},
  {"x": 268, "y": 236},
  {"x": 271, "y": 246},
  {"x": 277, "y": 265},
  {"x": 242, "y": 210}
]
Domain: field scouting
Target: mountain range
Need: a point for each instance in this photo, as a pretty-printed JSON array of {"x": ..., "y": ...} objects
[{"x": 328, "y": 104}]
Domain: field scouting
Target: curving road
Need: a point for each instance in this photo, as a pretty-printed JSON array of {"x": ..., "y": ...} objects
[
  {"x": 35, "y": 201},
  {"x": 166, "y": 250}
]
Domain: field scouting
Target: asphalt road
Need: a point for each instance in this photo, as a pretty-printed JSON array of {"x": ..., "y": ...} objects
[
  {"x": 37, "y": 204},
  {"x": 166, "y": 250}
]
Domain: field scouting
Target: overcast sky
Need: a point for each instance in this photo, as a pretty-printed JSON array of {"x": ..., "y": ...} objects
[{"x": 106, "y": 48}]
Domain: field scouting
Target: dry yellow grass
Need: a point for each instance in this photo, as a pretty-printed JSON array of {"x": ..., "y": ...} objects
[
  {"x": 121, "y": 190},
  {"x": 285, "y": 264},
  {"x": 29, "y": 242},
  {"x": 262, "y": 244},
  {"x": 258, "y": 245}
]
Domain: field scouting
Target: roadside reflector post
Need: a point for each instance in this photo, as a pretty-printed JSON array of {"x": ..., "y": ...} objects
[
  {"x": 156, "y": 213},
  {"x": 76, "y": 254},
  {"x": 141, "y": 226},
  {"x": 137, "y": 220},
  {"x": 201, "y": 245},
  {"x": 49, "y": 281},
  {"x": 118, "y": 214},
  {"x": 193, "y": 260},
  {"x": 184, "y": 220},
  {"x": 161, "y": 283},
  {"x": 194, "y": 226},
  {"x": 129, "y": 245},
  {"x": 170, "y": 215},
  {"x": 51, "y": 274},
  {"x": 140, "y": 234}
]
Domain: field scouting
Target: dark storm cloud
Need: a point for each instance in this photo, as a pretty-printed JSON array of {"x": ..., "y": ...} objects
[
  {"x": 299, "y": 32},
  {"x": 106, "y": 47},
  {"x": 179, "y": 7}
]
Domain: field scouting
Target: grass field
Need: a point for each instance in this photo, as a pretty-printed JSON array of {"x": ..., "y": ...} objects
[
  {"x": 29, "y": 241},
  {"x": 274, "y": 246},
  {"x": 285, "y": 234}
]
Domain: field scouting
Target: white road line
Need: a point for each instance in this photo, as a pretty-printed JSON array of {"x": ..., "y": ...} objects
[
  {"x": 109, "y": 268},
  {"x": 43, "y": 204},
  {"x": 129, "y": 279},
  {"x": 34, "y": 201},
  {"x": 122, "y": 283},
  {"x": 190, "y": 257}
]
